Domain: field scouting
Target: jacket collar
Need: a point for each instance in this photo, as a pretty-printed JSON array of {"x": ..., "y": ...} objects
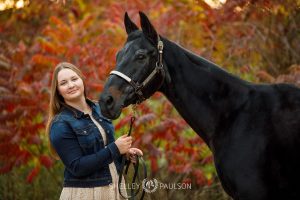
[{"x": 77, "y": 113}]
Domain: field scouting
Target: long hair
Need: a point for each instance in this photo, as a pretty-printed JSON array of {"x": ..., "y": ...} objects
[{"x": 56, "y": 100}]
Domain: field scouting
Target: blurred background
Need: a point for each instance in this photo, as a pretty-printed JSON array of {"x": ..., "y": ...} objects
[{"x": 257, "y": 40}]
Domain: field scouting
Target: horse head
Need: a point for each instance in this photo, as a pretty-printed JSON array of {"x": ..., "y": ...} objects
[{"x": 139, "y": 70}]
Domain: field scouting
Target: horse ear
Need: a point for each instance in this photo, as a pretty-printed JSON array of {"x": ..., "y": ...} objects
[
  {"x": 148, "y": 28},
  {"x": 129, "y": 25}
]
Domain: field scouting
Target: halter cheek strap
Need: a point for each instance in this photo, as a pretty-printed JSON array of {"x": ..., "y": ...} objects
[{"x": 157, "y": 70}]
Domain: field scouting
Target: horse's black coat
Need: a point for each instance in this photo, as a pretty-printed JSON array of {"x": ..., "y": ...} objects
[{"x": 253, "y": 130}]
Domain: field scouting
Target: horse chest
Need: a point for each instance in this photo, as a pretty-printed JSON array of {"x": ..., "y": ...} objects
[{"x": 240, "y": 162}]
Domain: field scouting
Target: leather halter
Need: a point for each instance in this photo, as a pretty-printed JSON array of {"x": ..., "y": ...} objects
[{"x": 157, "y": 70}]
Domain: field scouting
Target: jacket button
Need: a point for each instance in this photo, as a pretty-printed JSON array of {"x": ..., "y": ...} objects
[{"x": 84, "y": 131}]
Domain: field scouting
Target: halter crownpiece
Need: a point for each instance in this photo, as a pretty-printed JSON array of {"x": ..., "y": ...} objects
[{"x": 158, "y": 69}]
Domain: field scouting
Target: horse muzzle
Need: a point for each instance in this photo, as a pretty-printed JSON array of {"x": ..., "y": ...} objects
[{"x": 109, "y": 107}]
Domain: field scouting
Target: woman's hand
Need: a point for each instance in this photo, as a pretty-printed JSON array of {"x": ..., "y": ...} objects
[
  {"x": 131, "y": 154},
  {"x": 124, "y": 143}
]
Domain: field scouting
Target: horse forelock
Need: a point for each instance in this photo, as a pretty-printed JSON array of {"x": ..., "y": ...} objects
[{"x": 134, "y": 35}]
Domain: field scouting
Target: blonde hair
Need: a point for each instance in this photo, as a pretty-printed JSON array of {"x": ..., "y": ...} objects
[{"x": 56, "y": 100}]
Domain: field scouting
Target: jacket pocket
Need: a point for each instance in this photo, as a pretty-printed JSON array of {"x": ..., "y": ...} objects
[{"x": 86, "y": 136}]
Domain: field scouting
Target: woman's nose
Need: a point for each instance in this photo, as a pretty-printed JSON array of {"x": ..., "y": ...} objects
[{"x": 70, "y": 84}]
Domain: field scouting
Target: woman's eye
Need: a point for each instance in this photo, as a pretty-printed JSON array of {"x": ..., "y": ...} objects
[
  {"x": 74, "y": 79},
  {"x": 63, "y": 83}
]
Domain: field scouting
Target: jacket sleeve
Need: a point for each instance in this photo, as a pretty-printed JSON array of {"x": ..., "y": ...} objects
[{"x": 64, "y": 141}]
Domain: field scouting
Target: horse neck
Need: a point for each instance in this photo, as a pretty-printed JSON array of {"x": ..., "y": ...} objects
[{"x": 203, "y": 94}]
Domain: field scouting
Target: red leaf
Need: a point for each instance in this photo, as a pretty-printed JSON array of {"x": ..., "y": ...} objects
[
  {"x": 23, "y": 158},
  {"x": 34, "y": 172},
  {"x": 6, "y": 168},
  {"x": 154, "y": 165},
  {"x": 98, "y": 87},
  {"x": 145, "y": 119},
  {"x": 46, "y": 161},
  {"x": 187, "y": 180},
  {"x": 200, "y": 179},
  {"x": 34, "y": 139},
  {"x": 123, "y": 122},
  {"x": 10, "y": 107}
]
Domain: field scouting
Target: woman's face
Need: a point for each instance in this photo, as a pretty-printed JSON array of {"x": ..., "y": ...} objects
[{"x": 70, "y": 85}]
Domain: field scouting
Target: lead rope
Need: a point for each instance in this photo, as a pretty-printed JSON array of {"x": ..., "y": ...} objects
[{"x": 136, "y": 166}]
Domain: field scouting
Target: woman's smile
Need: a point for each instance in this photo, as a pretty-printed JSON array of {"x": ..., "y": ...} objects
[
  {"x": 70, "y": 85},
  {"x": 73, "y": 91}
]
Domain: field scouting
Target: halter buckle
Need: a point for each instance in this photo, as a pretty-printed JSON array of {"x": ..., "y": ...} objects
[{"x": 160, "y": 46}]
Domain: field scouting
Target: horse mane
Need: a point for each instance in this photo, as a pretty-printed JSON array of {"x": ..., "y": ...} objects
[{"x": 210, "y": 66}]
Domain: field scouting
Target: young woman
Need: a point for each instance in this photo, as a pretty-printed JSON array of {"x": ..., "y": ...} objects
[{"x": 83, "y": 139}]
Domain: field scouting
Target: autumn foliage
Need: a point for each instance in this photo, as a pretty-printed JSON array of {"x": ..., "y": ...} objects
[{"x": 257, "y": 40}]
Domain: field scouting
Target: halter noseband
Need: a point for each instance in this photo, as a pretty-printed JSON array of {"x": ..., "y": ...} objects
[{"x": 157, "y": 70}]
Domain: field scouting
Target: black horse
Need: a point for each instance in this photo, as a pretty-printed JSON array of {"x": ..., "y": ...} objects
[{"x": 253, "y": 130}]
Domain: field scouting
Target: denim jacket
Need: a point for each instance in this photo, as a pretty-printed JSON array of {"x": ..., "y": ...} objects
[{"x": 80, "y": 146}]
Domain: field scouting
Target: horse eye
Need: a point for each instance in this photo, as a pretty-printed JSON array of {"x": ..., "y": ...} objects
[{"x": 141, "y": 56}]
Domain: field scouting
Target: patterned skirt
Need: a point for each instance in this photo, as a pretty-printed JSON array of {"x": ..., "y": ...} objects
[{"x": 109, "y": 192}]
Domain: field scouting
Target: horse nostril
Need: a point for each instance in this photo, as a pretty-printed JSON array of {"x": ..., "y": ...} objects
[{"x": 109, "y": 100}]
